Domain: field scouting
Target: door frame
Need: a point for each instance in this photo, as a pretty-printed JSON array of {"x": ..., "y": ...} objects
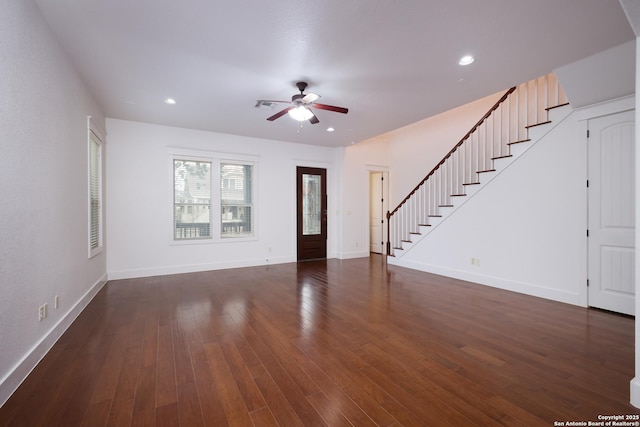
[
  {"x": 300, "y": 170},
  {"x": 606, "y": 301},
  {"x": 582, "y": 116},
  {"x": 384, "y": 206}
]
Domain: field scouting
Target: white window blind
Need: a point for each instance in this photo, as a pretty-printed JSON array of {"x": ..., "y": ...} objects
[{"x": 95, "y": 191}]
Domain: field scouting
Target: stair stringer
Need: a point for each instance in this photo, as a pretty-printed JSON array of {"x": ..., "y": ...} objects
[{"x": 556, "y": 117}]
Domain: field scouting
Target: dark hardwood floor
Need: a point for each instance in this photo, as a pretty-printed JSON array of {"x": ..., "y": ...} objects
[{"x": 334, "y": 343}]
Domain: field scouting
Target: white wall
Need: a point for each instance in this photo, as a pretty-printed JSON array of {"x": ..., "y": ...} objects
[
  {"x": 358, "y": 161},
  {"x": 607, "y": 75},
  {"x": 139, "y": 191},
  {"x": 43, "y": 192}
]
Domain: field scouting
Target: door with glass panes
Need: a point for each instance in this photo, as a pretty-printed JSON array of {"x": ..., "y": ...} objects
[{"x": 312, "y": 213}]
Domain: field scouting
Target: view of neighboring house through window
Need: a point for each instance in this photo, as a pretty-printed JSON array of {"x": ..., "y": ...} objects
[
  {"x": 236, "y": 190},
  {"x": 192, "y": 199},
  {"x": 213, "y": 199},
  {"x": 95, "y": 194}
]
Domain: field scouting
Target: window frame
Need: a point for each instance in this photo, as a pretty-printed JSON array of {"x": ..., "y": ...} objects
[
  {"x": 216, "y": 159},
  {"x": 95, "y": 136},
  {"x": 251, "y": 204},
  {"x": 191, "y": 206}
]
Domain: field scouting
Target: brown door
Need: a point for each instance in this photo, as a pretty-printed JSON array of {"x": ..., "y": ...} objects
[{"x": 312, "y": 213}]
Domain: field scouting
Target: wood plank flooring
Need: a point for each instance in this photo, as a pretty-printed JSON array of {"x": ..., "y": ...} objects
[{"x": 335, "y": 343}]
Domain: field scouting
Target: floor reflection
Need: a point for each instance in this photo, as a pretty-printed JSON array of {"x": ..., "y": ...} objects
[
  {"x": 235, "y": 311},
  {"x": 312, "y": 293}
]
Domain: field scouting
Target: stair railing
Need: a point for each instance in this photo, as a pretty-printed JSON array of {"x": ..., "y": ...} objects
[{"x": 505, "y": 124}]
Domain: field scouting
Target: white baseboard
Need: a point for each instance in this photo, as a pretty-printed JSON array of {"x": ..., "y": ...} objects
[
  {"x": 635, "y": 392},
  {"x": 495, "y": 282},
  {"x": 350, "y": 255},
  {"x": 193, "y": 268},
  {"x": 10, "y": 383}
]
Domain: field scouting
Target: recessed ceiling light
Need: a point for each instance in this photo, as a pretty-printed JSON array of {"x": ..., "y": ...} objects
[
  {"x": 170, "y": 101},
  {"x": 330, "y": 129},
  {"x": 466, "y": 60}
]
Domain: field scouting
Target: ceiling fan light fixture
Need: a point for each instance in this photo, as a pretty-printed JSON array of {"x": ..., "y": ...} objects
[
  {"x": 466, "y": 60},
  {"x": 300, "y": 113}
]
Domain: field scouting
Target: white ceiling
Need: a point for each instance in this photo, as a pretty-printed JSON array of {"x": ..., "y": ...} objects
[{"x": 391, "y": 63}]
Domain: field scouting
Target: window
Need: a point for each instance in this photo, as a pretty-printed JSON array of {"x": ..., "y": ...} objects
[
  {"x": 191, "y": 199},
  {"x": 213, "y": 199},
  {"x": 95, "y": 190},
  {"x": 236, "y": 195}
]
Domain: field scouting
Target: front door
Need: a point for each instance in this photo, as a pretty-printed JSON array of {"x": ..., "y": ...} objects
[
  {"x": 612, "y": 212},
  {"x": 312, "y": 213}
]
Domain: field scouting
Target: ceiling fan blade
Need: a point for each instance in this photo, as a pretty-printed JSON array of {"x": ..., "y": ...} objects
[
  {"x": 269, "y": 102},
  {"x": 313, "y": 120},
  {"x": 279, "y": 114},
  {"x": 331, "y": 108},
  {"x": 310, "y": 97}
]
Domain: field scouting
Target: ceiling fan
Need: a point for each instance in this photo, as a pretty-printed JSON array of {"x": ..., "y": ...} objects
[{"x": 300, "y": 106}]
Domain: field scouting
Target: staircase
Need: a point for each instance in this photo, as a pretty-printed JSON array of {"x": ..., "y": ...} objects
[{"x": 520, "y": 117}]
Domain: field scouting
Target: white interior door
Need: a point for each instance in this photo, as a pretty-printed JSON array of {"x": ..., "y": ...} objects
[
  {"x": 612, "y": 212},
  {"x": 377, "y": 211}
]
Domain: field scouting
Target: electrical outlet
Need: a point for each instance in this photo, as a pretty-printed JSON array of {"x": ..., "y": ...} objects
[
  {"x": 56, "y": 302},
  {"x": 42, "y": 312}
]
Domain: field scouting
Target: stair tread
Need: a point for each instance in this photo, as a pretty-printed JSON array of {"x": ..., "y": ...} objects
[
  {"x": 519, "y": 142},
  {"x": 458, "y": 195},
  {"x": 471, "y": 183},
  {"x": 556, "y": 106},
  {"x": 487, "y": 170},
  {"x": 502, "y": 157},
  {"x": 537, "y": 124}
]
